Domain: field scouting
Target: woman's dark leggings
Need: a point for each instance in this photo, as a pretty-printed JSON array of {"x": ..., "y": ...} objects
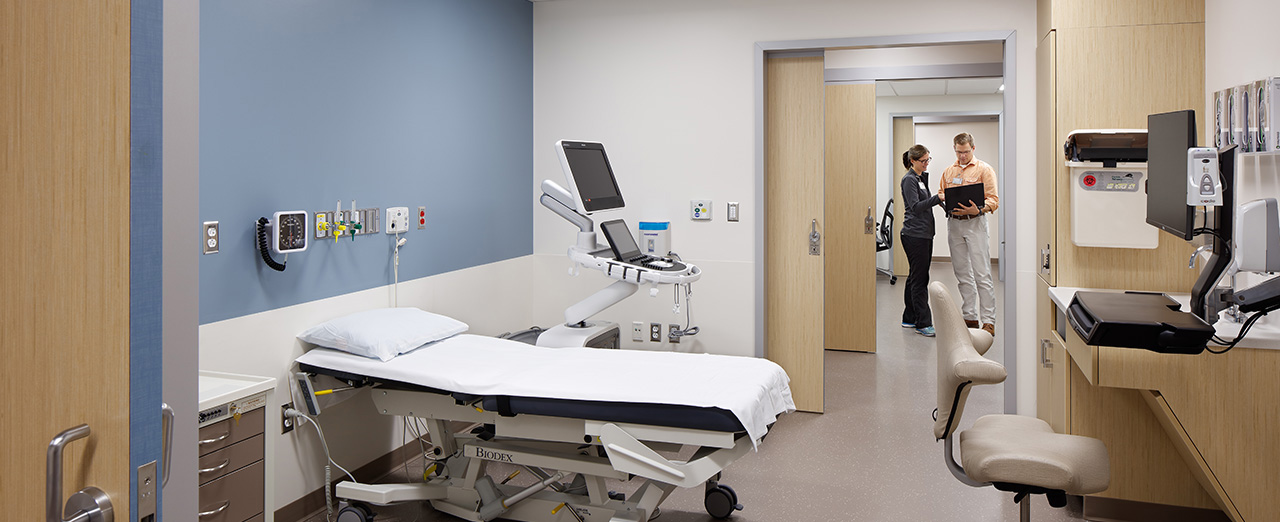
[{"x": 916, "y": 294}]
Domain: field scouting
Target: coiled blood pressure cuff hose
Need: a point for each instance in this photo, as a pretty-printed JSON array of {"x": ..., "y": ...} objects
[{"x": 263, "y": 247}]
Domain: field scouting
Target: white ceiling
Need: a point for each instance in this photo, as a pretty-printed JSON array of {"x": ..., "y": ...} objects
[{"x": 939, "y": 87}]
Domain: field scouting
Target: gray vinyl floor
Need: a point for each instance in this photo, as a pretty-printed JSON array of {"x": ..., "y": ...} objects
[{"x": 870, "y": 457}]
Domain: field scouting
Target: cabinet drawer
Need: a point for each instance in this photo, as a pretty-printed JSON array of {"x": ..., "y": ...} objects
[
  {"x": 225, "y": 433},
  {"x": 218, "y": 463},
  {"x": 235, "y": 497}
]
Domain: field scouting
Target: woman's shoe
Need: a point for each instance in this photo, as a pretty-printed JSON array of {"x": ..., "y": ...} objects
[
  {"x": 908, "y": 325},
  {"x": 926, "y": 331}
]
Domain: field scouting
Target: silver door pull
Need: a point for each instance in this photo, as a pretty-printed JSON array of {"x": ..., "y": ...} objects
[
  {"x": 87, "y": 505},
  {"x": 166, "y": 424},
  {"x": 815, "y": 239}
]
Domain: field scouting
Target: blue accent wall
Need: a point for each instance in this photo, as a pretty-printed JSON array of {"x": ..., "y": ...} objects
[
  {"x": 391, "y": 103},
  {"x": 146, "y": 213}
]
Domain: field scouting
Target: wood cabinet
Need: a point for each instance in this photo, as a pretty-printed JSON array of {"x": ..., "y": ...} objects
[{"x": 1107, "y": 65}]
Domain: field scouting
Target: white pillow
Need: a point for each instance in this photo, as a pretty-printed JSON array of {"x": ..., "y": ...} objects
[{"x": 383, "y": 333}]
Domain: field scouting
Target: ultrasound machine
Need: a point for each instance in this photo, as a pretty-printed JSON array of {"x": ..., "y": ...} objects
[{"x": 592, "y": 189}]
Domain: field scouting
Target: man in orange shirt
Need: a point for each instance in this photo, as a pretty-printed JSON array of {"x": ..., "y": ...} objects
[{"x": 968, "y": 237}]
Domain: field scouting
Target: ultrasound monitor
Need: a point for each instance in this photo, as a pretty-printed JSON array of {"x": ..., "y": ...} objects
[{"x": 591, "y": 180}]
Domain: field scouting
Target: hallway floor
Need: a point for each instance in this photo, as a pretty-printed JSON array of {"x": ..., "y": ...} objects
[{"x": 870, "y": 457}]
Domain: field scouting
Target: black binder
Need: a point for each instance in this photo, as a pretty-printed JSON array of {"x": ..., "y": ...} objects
[
  {"x": 974, "y": 193},
  {"x": 1152, "y": 321}
]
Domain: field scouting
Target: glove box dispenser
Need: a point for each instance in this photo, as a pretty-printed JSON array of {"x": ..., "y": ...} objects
[{"x": 1107, "y": 170}]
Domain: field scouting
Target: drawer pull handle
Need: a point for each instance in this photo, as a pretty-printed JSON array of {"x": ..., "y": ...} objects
[
  {"x": 219, "y": 439},
  {"x": 220, "y": 509},
  {"x": 216, "y": 468}
]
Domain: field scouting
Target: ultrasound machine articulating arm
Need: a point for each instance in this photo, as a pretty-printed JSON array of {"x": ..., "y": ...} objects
[{"x": 559, "y": 200}]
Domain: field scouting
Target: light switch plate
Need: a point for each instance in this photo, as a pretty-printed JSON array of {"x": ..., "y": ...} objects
[
  {"x": 732, "y": 214},
  {"x": 210, "y": 237}
]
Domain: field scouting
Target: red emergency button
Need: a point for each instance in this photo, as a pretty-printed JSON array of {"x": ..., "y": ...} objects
[{"x": 1090, "y": 181}]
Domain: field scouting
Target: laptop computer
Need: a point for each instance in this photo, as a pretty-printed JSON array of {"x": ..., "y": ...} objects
[
  {"x": 964, "y": 194},
  {"x": 627, "y": 251}
]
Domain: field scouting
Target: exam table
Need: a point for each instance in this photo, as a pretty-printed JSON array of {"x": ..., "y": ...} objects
[{"x": 572, "y": 417}]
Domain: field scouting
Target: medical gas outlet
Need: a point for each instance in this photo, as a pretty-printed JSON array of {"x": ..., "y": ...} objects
[{"x": 347, "y": 223}]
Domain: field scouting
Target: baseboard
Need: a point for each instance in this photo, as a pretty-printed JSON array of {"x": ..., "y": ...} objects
[{"x": 1102, "y": 509}]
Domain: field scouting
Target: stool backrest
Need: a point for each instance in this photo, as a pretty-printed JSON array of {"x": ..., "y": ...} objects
[{"x": 958, "y": 360}]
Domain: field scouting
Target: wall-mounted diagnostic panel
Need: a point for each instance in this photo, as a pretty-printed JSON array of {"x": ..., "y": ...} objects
[{"x": 289, "y": 232}]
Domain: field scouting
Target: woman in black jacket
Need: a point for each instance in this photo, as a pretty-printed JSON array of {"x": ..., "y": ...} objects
[{"x": 917, "y": 238}]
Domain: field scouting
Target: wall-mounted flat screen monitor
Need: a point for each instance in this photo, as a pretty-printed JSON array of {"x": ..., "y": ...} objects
[
  {"x": 1169, "y": 135},
  {"x": 590, "y": 176}
]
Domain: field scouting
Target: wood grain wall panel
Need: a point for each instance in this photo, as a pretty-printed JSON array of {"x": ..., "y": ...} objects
[
  {"x": 1144, "y": 464},
  {"x": 794, "y": 99},
  {"x": 64, "y": 118},
  {"x": 1070, "y": 14},
  {"x": 1047, "y": 156},
  {"x": 850, "y": 288},
  {"x": 904, "y": 137},
  {"x": 1113, "y": 78}
]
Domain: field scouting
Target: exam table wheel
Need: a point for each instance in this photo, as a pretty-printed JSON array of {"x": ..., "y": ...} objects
[
  {"x": 355, "y": 513},
  {"x": 721, "y": 502},
  {"x": 893, "y": 280}
]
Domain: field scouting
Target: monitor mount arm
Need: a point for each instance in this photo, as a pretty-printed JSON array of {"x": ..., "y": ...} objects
[{"x": 557, "y": 199}]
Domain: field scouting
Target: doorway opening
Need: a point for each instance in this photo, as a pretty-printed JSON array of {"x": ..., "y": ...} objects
[{"x": 996, "y": 67}]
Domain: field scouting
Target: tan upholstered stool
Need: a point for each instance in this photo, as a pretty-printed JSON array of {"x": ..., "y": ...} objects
[{"x": 1014, "y": 453}]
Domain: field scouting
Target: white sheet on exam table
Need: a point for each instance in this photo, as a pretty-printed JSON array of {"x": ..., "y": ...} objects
[{"x": 755, "y": 390}]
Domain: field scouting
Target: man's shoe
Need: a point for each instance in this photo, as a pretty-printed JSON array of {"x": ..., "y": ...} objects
[
  {"x": 970, "y": 324},
  {"x": 926, "y": 331},
  {"x": 908, "y": 325},
  {"x": 989, "y": 328}
]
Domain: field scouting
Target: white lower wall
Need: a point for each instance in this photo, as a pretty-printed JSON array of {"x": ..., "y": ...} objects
[{"x": 492, "y": 299}]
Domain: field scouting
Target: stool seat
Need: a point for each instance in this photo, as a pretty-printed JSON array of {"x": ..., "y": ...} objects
[{"x": 1025, "y": 450}]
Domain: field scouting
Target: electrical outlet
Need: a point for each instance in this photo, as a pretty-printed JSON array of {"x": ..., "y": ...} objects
[
  {"x": 210, "y": 237},
  {"x": 637, "y": 331},
  {"x": 286, "y": 424},
  {"x": 671, "y": 333},
  {"x": 422, "y": 218},
  {"x": 655, "y": 332}
]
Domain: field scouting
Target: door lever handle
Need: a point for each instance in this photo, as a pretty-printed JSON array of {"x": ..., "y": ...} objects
[{"x": 87, "y": 505}]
